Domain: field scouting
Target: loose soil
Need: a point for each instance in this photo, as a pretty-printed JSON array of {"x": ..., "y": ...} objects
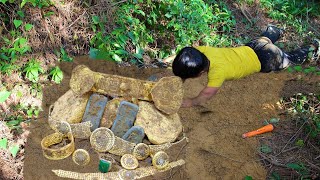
[{"x": 215, "y": 149}]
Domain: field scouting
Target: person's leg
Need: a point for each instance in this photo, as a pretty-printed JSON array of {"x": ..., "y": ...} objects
[
  {"x": 270, "y": 56},
  {"x": 273, "y": 33},
  {"x": 300, "y": 55}
]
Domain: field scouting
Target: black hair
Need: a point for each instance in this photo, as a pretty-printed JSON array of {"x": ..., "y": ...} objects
[{"x": 189, "y": 63}]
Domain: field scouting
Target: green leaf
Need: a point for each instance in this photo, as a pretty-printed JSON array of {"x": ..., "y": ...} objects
[
  {"x": 3, "y": 143},
  {"x": 300, "y": 143},
  {"x": 99, "y": 54},
  {"x": 295, "y": 166},
  {"x": 4, "y": 95},
  {"x": 28, "y": 27},
  {"x": 265, "y": 149},
  {"x": 116, "y": 58},
  {"x": 21, "y": 14},
  {"x": 121, "y": 52},
  {"x": 138, "y": 56},
  {"x": 13, "y": 122},
  {"x": 23, "y": 3},
  {"x": 274, "y": 120},
  {"x": 14, "y": 150},
  {"x": 248, "y": 178},
  {"x": 298, "y": 68},
  {"x": 3, "y": 1},
  {"x": 95, "y": 19},
  {"x": 275, "y": 176},
  {"x": 17, "y": 23},
  {"x": 48, "y": 14}
]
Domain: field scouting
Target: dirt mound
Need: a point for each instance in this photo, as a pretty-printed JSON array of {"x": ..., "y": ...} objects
[{"x": 216, "y": 149}]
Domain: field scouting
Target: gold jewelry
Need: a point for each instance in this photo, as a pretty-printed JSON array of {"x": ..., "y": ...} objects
[
  {"x": 102, "y": 139},
  {"x": 160, "y": 160},
  {"x": 59, "y": 153},
  {"x": 81, "y": 157},
  {"x": 141, "y": 151},
  {"x": 123, "y": 174},
  {"x": 128, "y": 161},
  {"x": 167, "y": 93}
]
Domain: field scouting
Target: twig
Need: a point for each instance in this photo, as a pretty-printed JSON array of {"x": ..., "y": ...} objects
[
  {"x": 291, "y": 138},
  {"x": 118, "y": 2},
  {"x": 72, "y": 23},
  {"x": 313, "y": 166},
  {"x": 245, "y": 14},
  {"x": 272, "y": 161}
]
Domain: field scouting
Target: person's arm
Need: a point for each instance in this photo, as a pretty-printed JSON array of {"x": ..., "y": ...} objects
[{"x": 203, "y": 96}]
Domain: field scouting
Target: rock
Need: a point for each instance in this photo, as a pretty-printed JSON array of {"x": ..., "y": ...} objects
[
  {"x": 159, "y": 127},
  {"x": 69, "y": 108}
]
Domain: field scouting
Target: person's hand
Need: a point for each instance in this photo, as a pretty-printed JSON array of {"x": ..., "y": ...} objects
[{"x": 186, "y": 103}]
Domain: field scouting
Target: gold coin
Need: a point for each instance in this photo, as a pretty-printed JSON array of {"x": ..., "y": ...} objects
[
  {"x": 81, "y": 157},
  {"x": 128, "y": 161},
  {"x": 141, "y": 151},
  {"x": 102, "y": 139},
  {"x": 160, "y": 160}
]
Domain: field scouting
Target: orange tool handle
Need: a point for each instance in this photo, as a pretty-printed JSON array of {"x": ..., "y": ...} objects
[{"x": 264, "y": 129}]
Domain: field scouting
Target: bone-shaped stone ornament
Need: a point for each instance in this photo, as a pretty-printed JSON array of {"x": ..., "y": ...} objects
[{"x": 166, "y": 94}]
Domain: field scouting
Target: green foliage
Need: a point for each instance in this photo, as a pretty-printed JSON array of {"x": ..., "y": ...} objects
[
  {"x": 299, "y": 167},
  {"x": 13, "y": 122},
  {"x": 3, "y": 143},
  {"x": 63, "y": 55},
  {"x": 33, "y": 70},
  {"x": 303, "y": 107},
  {"x": 56, "y": 74},
  {"x": 169, "y": 26},
  {"x": 13, "y": 149},
  {"x": 265, "y": 148},
  {"x": 293, "y": 13},
  {"x": 248, "y": 178},
  {"x": 305, "y": 70},
  {"x": 300, "y": 143},
  {"x": 13, "y": 44},
  {"x": 4, "y": 95}
]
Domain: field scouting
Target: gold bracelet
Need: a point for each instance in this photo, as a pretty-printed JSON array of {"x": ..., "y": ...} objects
[{"x": 59, "y": 153}]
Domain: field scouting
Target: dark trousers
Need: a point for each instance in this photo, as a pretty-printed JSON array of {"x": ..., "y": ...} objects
[{"x": 271, "y": 57}]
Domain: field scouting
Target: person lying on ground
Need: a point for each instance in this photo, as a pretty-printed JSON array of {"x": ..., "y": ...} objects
[{"x": 221, "y": 64}]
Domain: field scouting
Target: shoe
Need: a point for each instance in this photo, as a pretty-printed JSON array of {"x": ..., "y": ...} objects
[
  {"x": 273, "y": 33},
  {"x": 316, "y": 54}
]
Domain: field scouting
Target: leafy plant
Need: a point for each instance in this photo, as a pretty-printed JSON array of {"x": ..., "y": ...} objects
[
  {"x": 306, "y": 70},
  {"x": 13, "y": 149},
  {"x": 33, "y": 70},
  {"x": 63, "y": 55},
  {"x": 299, "y": 167},
  {"x": 13, "y": 122},
  {"x": 56, "y": 74},
  {"x": 292, "y": 13},
  {"x": 169, "y": 26},
  {"x": 4, "y": 95}
]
